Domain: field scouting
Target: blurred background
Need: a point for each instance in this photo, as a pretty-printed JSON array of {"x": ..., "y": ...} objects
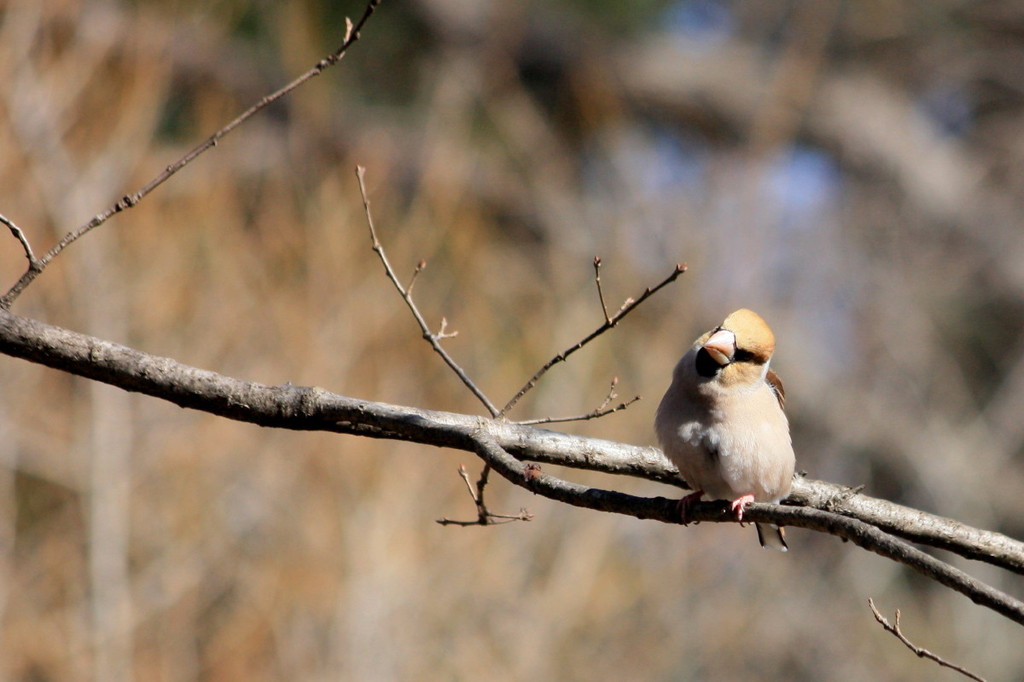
[{"x": 852, "y": 171}]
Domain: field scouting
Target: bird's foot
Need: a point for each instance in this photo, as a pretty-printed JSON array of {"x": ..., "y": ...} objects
[
  {"x": 686, "y": 504},
  {"x": 739, "y": 504}
]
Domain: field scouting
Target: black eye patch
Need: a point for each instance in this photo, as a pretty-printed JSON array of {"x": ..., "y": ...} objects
[
  {"x": 746, "y": 356},
  {"x": 706, "y": 365}
]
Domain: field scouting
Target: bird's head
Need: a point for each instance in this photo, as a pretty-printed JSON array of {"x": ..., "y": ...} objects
[{"x": 738, "y": 351}]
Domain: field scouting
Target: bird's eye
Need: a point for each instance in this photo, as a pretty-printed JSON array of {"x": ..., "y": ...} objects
[{"x": 742, "y": 355}]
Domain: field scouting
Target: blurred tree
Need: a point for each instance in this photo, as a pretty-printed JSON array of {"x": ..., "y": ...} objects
[{"x": 852, "y": 170}]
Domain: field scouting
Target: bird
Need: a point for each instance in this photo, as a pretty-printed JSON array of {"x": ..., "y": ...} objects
[{"x": 722, "y": 421}]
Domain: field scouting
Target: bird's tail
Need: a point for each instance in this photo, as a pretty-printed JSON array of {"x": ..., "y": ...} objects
[{"x": 770, "y": 535}]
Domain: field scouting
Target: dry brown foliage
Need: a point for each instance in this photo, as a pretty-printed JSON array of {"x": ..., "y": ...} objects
[{"x": 139, "y": 540}]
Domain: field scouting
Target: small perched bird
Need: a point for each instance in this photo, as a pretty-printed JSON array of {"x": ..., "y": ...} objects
[{"x": 721, "y": 421}]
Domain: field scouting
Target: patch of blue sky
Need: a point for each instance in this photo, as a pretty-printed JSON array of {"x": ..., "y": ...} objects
[
  {"x": 950, "y": 108},
  {"x": 702, "y": 23},
  {"x": 804, "y": 181}
]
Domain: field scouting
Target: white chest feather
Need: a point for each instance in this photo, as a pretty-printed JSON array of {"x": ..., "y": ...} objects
[{"x": 738, "y": 446}]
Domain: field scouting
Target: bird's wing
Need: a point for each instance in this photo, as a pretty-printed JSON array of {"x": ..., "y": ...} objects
[{"x": 775, "y": 383}]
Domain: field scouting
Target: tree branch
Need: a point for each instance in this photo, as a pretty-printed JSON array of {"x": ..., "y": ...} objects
[
  {"x": 601, "y": 410},
  {"x": 860, "y": 533},
  {"x": 609, "y": 322},
  {"x": 503, "y": 446},
  {"x": 23, "y": 240},
  {"x": 306, "y": 408},
  {"x": 600, "y": 290},
  {"x": 912, "y": 524},
  {"x": 406, "y": 293},
  {"x": 36, "y": 266},
  {"x": 921, "y": 652},
  {"x": 484, "y": 517}
]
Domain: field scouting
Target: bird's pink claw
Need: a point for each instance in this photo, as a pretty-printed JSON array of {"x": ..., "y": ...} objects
[{"x": 739, "y": 504}]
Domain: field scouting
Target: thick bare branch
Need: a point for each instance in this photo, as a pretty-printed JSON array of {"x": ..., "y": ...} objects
[
  {"x": 872, "y": 539},
  {"x": 860, "y": 533},
  {"x": 305, "y": 408},
  {"x": 912, "y": 524},
  {"x": 502, "y": 445},
  {"x": 130, "y": 200}
]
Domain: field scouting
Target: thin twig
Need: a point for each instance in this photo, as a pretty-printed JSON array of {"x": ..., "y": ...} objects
[
  {"x": 626, "y": 308},
  {"x": 596, "y": 414},
  {"x": 612, "y": 395},
  {"x": 492, "y": 519},
  {"x": 130, "y": 200},
  {"x": 443, "y": 333},
  {"x": 919, "y": 651},
  {"x": 464, "y": 475},
  {"x": 420, "y": 267},
  {"x": 433, "y": 339},
  {"x": 481, "y": 484},
  {"x": 600, "y": 291},
  {"x": 484, "y": 517},
  {"x": 600, "y": 411},
  {"x": 33, "y": 264}
]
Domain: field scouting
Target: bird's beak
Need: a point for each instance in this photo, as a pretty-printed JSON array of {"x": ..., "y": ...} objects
[{"x": 721, "y": 346}]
